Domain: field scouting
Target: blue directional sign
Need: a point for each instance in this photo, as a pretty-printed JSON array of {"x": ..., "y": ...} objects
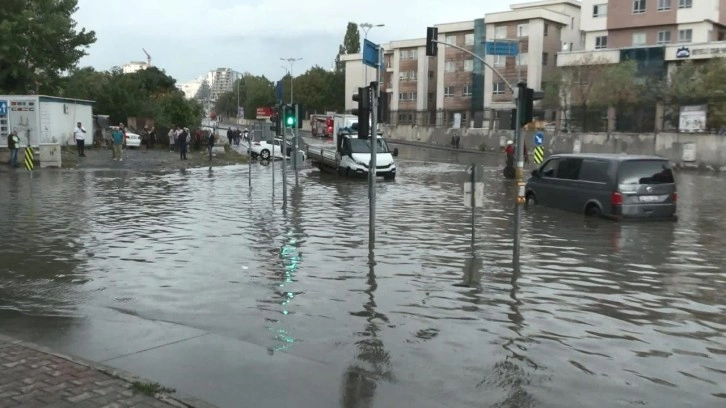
[
  {"x": 370, "y": 54},
  {"x": 506, "y": 48},
  {"x": 278, "y": 90},
  {"x": 538, "y": 139},
  {"x": 3, "y": 108}
]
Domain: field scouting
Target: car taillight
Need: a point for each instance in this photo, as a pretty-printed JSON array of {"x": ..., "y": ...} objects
[
  {"x": 616, "y": 198},
  {"x": 674, "y": 196}
]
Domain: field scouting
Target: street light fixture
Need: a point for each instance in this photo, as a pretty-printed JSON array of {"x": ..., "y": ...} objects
[
  {"x": 366, "y": 27},
  {"x": 292, "y": 62}
]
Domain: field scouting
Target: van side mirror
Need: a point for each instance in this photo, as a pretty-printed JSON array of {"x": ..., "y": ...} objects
[
  {"x": 395, "y": 152},
  {"x": 535, "y": 173}
]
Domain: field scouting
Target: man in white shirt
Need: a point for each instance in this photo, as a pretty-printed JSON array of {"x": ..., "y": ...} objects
[{"x": 79, "y": 135}]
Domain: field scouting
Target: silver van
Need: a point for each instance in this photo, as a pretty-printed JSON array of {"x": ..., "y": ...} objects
[{"x": 610, "y": 185}]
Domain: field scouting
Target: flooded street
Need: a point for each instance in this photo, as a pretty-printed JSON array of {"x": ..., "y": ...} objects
[{"x": 600, "y": 313}]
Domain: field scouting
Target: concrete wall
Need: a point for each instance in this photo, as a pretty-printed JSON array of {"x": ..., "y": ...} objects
[{"x": 710, "y": 149}]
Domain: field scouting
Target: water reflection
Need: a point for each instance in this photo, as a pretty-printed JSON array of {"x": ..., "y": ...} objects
[{"x": 373, "y": 361}]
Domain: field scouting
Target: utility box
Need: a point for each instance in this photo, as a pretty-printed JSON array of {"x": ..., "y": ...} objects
[
  {"x": 42, "y": 119},
  {"x": 689, "y": 152},
  {"x": 50, "y": 155}
]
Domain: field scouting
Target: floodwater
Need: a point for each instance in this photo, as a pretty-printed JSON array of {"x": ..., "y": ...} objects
[{"x": 600, "y": 314}]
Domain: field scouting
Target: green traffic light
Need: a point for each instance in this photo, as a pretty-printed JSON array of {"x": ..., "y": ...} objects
[{"x": 290, "y": 120}]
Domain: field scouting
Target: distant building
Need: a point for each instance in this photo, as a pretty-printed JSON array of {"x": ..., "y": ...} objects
[
  {"x": 133, "y": 66},
  {"x": 196, "y": 89},
  {"x": 221, "y": 80}
]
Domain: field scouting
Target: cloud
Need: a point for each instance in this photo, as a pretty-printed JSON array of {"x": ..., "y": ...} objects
[{"x": 190, "y": 37}]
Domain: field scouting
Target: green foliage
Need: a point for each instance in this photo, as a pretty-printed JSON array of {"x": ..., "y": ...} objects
[
  {"x": 693, "y": 83},
  {"x": 39, "y": 41},
  {"x": 351, "y": 45},
  {"x": 318, "y": 90},
  {"x": 149, "y": 93},
  {"x": 254, "y": 92},
  {"x": 619, "y": 85}
]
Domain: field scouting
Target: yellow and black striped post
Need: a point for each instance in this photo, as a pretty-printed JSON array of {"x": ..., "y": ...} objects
[
  {"x": 29, "y": 158},
  {"x": 538, "y": 154}
]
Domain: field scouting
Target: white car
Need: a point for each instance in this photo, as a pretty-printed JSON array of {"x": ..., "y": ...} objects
[
  {"x": 132, "y": 139},
  {"x": 264, "y": 149}
]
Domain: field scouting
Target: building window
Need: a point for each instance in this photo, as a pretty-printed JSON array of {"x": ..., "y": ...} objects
[
  {"x": 601, "y": 42},
  {"x": 546, "y": 29},
  {"x": 500, "y": 32},
  {"x": 468, "y": 65},
  {"x": 467, "y": 90},
  {"x": 450, "y": 66},
  {"x": 523, "y": 30},
  {"x": 431, "y": 74},
  {"x": 639, "y": 39},
  {"x": 664, "y": 5},
  {"x": 407, "y": 96},
  {"x": 468, "y": 39},
  {"x": 600, "y": 10},
  {"x": 449, "y": 91},
  {"x": 500, "y": 60},
  {"x": 545, "y": 57},
  {"x": 638, "y": 6},
  {"x": 521, "y": 59},
  {"x": 685, "y": 36},
  {"x": 685, "y": 3},
  {"x": 664, "y": 37},
  {"x": 407, "y": 76},
  {"x": 410, "y": 53},
  {"x": 451, "y": 39},
  {"x": 499, "y": 88},
  {"x": 555, "y": 60}
]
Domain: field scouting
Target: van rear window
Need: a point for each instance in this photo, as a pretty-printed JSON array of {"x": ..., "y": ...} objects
[{"x": 645, "y": 172}]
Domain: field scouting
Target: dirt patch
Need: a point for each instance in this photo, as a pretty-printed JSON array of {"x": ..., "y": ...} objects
[{"x": 152, "y": 159}]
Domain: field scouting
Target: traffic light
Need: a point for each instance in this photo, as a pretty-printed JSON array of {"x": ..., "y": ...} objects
[
  {"x": 513, "y": 120},
  {"x": 432, "y": 47},
  {"x": 363, "y": 97},
  {"x": 300, "y": 114},
  {"x": 275, "y": 119},
  {"x": 383, "y": 108},
  {"x": 289, "y": 118},
  {"x": 528, "y": 106}
]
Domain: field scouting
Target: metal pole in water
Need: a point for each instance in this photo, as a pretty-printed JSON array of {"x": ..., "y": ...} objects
[
  {"x": 520, "y": 102},
  {"x": 294, "y": 145},
  {"x": 272, "y": 166},
  {"x": 283, "y": 148},
  {"x": 372, "y": 168},
  {"x": 249, "y": 158},
  {"x": 473, "y": 203}
]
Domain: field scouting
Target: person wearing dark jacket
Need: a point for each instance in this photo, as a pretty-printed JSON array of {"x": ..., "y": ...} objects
[
  {"x": 210, "y": 145},
  {"x": 182, "y": 141}
]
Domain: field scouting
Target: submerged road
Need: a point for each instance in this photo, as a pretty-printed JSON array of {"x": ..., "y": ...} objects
[{"x": 191, "y": 279}]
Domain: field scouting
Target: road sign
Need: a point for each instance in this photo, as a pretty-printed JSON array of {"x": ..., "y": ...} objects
[
  {"x": 506, "y": 48},
  {"x": 479, "y": 172},
  {"x": 538, "y": 139},
  {"x": 478, "y": 194},
  {"x": 370, "y": 54},
  {"x": 3, "y": 108},
  {"x": 29, "y": 158},
  {"x": 538, "y": 154}
]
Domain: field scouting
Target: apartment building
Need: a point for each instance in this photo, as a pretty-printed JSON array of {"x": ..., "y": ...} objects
[
  {"x": 133, "y": 66},
  {"x": 541, "y": 30},
  {"x": 435, "y": 90},
  {"x": 221, "y": 80},
  {"x": 659, "y": 32}
]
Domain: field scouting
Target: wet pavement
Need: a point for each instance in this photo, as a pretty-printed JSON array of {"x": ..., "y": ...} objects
[{"x": 192, "y": 280}]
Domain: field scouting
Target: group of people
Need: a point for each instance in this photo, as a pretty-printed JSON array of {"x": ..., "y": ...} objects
[
  {"x": 148, "y": 137},
  {"x": 234, "y": 135},
  {"x": 179, "y": 138}
]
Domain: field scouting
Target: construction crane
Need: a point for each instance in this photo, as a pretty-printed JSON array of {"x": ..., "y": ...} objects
[{"x": 148, "y": 57}]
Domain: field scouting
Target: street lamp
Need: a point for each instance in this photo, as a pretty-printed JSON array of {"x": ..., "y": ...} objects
[
  {"x": 366, "y": 27},
  {"x": 292, "y": 62}
]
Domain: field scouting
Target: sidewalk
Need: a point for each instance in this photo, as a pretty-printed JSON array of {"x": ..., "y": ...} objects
[{"x": 31, "y": 376}]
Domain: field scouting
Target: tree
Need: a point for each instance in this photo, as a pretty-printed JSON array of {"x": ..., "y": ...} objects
[
  {"x": 351, "y": 45},
  {"x": 255, "y": 91},
  {"x": 577, "y": 84},
  {"x": 618, "y": 85},
  {"x": 39, "y": 42}
]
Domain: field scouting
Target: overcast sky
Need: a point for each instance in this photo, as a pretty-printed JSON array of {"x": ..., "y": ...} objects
[{"x": 187, "y": 38}]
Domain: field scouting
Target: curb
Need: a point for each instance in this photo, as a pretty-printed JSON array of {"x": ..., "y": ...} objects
[{"x": 178, "y": 400}]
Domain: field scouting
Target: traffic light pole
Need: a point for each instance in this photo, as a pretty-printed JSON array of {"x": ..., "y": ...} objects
[
  {"x": 376, "y": 93},
  {"x": 283, "y": 150},
  {"x": 294, "y": 145},
  {"x": 519, "y": 169}
]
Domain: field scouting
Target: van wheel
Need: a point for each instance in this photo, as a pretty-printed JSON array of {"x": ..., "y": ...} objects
[
  {"x": 530, "y": 198},
  {"x": 593, "y": 210},
  {"x": 265, "y": 154}
]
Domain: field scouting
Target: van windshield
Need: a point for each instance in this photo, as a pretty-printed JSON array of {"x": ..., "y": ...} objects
[
  {"x": 645, "y": 172},
  {"x": 364, "y": 146}
]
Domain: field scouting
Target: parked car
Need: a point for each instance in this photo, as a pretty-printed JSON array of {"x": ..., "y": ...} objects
[
  {"x": 264, "y": 149},
  {"x": 133, "y": 140},
  {"x": 615, "y": 186}
]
